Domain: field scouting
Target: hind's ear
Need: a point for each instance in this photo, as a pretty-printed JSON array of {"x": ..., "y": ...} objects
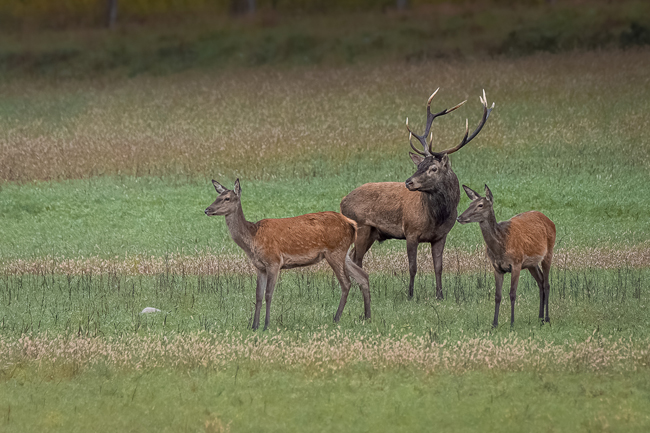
[
  {"x": 220, "y": 188},
  {"x": 488, "y": 193},
  {"x": 473, "y": 195},
  {"x": 237, "y": 188}
]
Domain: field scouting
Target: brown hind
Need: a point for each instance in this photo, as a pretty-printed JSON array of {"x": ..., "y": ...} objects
[
  {"x": 284, "y": 243},
  {"x": 525, "y": 241}
]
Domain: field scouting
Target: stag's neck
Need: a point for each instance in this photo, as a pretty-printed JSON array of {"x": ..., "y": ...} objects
[
  {"x": 441, "y": 202},
  {"x": 241, "y": 231},
  {"x": 494, "y": 235}
]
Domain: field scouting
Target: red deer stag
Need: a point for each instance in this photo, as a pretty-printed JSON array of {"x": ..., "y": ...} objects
[
  {"x": 423, "y": 209},
  {"x": 285, "y": 243},
  {"x": 523, "y": 242}
]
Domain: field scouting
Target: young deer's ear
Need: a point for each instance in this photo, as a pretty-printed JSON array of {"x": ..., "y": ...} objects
[
  {"x": 237, "y": 188},
  {"x": 445, "y": 161},
  {"x": 417, "y": 159},
  {"x": 220, "y": 188},
  {"x": 473, "y": 195},
  {"x": 488, "y": 193}
]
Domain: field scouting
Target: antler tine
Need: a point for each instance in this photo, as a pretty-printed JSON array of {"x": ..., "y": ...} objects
[
  {"x": 466, "y": 139},
  {"x": 413, "y": 147},
  {"x": 430, "y": 117}
]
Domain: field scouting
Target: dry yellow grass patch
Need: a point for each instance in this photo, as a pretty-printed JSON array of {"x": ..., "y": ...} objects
[
  {"x": 328, "y": 351},
  {"x": 454, "y": 260}
]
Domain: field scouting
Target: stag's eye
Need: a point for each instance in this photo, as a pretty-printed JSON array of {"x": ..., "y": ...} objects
[
  {"x": 480, "y": 205},
  {"x": 434, "y": 168},
  {"x": 226, "y": 199}
]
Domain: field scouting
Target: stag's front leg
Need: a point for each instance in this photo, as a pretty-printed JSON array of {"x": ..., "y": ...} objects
[
  {"x": 514, "y": 280},
  {"x": 498, "y": 279},
  {"x": 270, "y": 287},
  {"x": 259, "y": 297},
  {"x": 437, "y": 249},
  {"x": 412, "y": 253}
]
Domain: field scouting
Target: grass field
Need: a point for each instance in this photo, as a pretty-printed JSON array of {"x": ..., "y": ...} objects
[{"x": 103, "y": 185}]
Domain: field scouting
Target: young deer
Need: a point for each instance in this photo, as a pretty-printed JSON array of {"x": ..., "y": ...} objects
[
  {"x": 284, "y": 243},
  {"x": 523, "y": 242},
  {"x": 422, "y": 209}
]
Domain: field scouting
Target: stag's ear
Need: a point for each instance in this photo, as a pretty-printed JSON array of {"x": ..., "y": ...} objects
[
  {"x": 220, "y": 188},
  {"x": 473, "y": 195},
  {"x": 445, "y": 161},
  {"x": 417, "y": 159},
  {"x": 237, "y": 188},
  {"x": 488, "y": 194}
]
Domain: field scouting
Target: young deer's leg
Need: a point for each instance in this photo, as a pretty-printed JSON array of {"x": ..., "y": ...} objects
[
  {"x": 259, "y": 297},
  {"x": 546, "y": 273},
  {"x": 412, "y": 253},
  {"x": 272, "y": 277},
  {"x": 337, "y": 262},
  {"x": 366, "y": 236},
  {"x": 514, "y": 280},
  {"x": 498, "y": 279},
  {"x": 361, "y": 277},
  {"x": 536, "y": 272},
  {"x": 436, "y": 251}
]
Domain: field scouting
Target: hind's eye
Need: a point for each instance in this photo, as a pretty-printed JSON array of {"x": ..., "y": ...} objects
[
  {"x": 481, "y": 205},
  {"x": 226, "y": 199}
]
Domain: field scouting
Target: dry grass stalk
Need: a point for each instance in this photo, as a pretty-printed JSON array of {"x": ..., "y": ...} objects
[
  {"x": 326, "y": 351},
  {"x": 455, "y": 260}
]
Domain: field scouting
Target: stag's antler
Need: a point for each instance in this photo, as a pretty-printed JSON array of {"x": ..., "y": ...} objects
[
  {"x": 422, "y": 138},
  {"x": 466, "y": 139}
]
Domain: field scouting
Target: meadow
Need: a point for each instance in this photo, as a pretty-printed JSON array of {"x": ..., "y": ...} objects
[{"x": 103, "y": 185}]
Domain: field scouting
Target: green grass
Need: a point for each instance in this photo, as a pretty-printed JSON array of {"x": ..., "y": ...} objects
[
  {"x": 127, "y": 163},
  {"x": 56, "y": 393},
  {"x": 105, "y": 167},
  {"x": 245, "y": 399},
  {"x": 613, "y": 302},
  {"x": 119, "y": 216}
]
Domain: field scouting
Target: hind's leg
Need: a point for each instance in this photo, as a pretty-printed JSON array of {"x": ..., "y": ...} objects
[
  {"x": 361, "y": 277},
  {"x": 337, "y": 262},
  {"x": 546, "y": 273},
  {"x": 536, "y": 272}
]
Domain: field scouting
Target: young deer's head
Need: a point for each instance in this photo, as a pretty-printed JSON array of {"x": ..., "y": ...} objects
[
  {"x": 479, "y": 209},
  {"x": 435, "y": 166},
  {"x": 227, "y": 202}
]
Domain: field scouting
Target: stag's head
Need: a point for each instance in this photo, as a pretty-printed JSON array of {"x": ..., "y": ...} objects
[
  {"x": 479, "y": 209},
  {"x": 434, "y": 166},
  {"x": 228, "y": 200}
]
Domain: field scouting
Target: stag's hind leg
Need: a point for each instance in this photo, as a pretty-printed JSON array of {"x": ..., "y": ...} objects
[
  {"x": 366, "y": 236},
  {"x": 412, "y": 254},
  {"x": 437, "y": 249}
]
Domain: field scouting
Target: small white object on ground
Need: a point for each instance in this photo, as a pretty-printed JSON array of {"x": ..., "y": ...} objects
[{"x": 150, "y": 310}]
